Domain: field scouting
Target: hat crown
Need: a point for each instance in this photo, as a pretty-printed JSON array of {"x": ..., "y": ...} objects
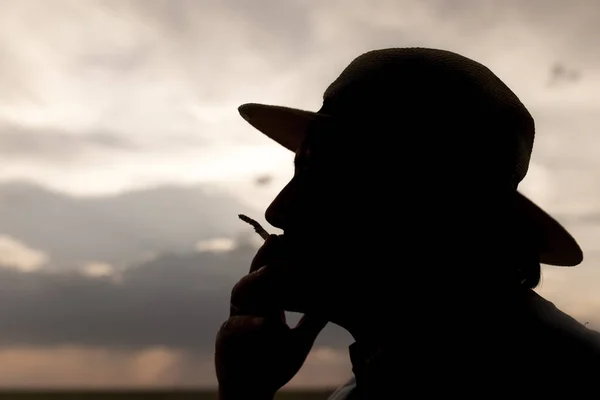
[{"x": 397, "y": 82}]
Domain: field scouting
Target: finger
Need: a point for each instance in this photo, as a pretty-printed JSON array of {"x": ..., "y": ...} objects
[
  {"x": 254, "y": 312},
  {"x": 253, "y": 291},
  {"x": 239, "y": 332},
  {"x": 253, "y": 295},
  {"x": 266, "y": 290},
  {"x": 241, "y": 323},
  {"x": 267, "y": 253},
  {"x": 240, "y": 328}
]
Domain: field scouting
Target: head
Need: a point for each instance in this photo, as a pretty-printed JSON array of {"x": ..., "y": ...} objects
[
  {"x": 405, "y": 183},
  {"x": 364, "y": 222}
]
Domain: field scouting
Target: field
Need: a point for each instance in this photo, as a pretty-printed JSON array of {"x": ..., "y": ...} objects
[{"x": 156, "y": 395}]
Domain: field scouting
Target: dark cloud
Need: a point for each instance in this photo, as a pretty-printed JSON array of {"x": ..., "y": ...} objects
[
  {"x": 220, "y": 54},
  {"x": 562, "y": 74},
  {"x": 117, "y": 229},
  {"x": 177, "y": 301},
  {"x": 263, "y": 180}
]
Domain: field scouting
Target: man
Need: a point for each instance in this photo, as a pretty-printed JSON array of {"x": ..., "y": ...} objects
[{"x": 403, "y": 224}]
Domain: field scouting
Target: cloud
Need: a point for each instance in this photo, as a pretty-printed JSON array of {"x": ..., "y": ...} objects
[
  {"x": 106, "y": 96},
  {"x": 102, "y": 270},
  {"x": 324, "y": 367},
  {"x": 217, "y": 244},
  {"x": 176, "y": 301},
  {"x": 138, "y": 73},
  {"x": 152, "y": 71},
  {"x": 154, "y": 326},
  {"x": 263, "y": 180},
  {"x": 561, "y": 74},
  {"x": 16, "y": 255},
  {"x": 75, "y": 367},
  {"x": 58, "y": 147},
  {"x": 120, "y": 229},
  {"x": 166, "y": 77}
]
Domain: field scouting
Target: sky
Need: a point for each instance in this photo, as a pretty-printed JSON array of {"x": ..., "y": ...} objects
[{"x": 112, "y": 112}]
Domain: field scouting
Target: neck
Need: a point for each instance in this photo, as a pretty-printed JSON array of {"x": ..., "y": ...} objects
[{"x": 377, "y": 325}]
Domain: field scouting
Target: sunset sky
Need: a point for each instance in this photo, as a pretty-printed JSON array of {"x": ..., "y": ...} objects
[{"x": 124, "y": 162}]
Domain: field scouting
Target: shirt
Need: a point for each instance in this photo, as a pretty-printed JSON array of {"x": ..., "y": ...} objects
[{"x": 551, "y": 352}]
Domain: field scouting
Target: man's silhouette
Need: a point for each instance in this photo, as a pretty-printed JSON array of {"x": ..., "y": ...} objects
[{"x": 404, "y": 225}]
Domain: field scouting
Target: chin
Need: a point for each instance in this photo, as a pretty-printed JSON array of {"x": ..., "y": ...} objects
[{"x": 304, "y": 242}]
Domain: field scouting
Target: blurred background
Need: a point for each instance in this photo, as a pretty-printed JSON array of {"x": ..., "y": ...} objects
[{"x": 124, "y": 163}]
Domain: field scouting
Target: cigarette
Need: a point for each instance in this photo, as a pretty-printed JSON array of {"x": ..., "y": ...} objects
[{"x": 259, "y": 229}]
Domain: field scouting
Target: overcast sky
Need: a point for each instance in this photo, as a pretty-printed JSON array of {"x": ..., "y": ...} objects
[{"x": 99, "y": 98}]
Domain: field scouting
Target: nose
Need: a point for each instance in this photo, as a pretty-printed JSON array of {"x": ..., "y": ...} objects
[{"x": 283, "y": 208}]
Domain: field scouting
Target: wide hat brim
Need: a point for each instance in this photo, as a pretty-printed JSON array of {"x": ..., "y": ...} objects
[{"x": 288, "y": 126}]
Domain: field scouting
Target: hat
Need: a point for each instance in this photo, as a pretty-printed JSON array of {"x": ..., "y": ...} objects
[{"x": 446, "y": 87}]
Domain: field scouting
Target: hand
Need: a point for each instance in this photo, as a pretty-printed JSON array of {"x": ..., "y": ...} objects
[{"x": 257, "y": 353}]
